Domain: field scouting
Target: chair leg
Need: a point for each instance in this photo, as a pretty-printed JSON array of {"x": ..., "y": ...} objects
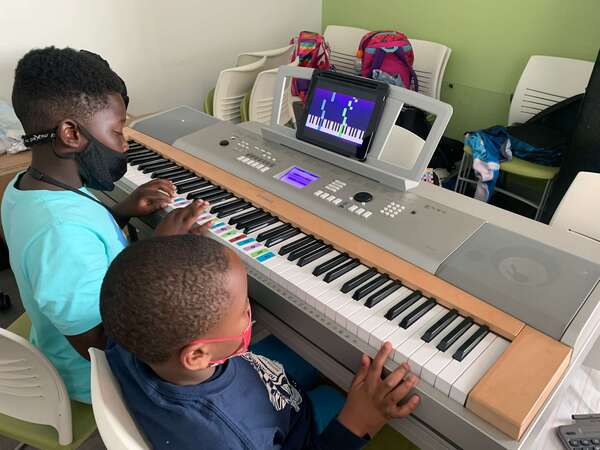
[
  {"x": 21, "y": 446},
  {"x": 457, "y": 187},
  {"x": 465, "y": 174},
  {"x": 543, "y": 200}
]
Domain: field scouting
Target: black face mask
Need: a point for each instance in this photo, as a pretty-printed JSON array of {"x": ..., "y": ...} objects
[{"x": 99, "y": 165}]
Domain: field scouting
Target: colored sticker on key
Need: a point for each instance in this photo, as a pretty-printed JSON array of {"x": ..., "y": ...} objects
[
  {"x": 265, "y": 257},
  {"x": 252, "y": 246},
  {"x": 257, "y": 253},
  {"x": 222, "y": 229},
  {"x": 237, "y": 238},
  {"x": 230, "y": 233},
  {"x": 217, "y": 225},
  {"x": 246, "y": 241}
]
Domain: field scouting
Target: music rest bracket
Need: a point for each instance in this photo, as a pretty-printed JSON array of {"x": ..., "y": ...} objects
[{"x": 374, "y": 167}]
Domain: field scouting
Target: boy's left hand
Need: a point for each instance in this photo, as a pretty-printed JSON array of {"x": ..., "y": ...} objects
[{"x": 146, "y": 199}]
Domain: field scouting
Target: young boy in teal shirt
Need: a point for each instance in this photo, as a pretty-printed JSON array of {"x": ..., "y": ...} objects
[{"x": 61, "y": 239}]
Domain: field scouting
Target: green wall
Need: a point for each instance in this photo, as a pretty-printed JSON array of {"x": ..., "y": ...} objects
[{"x": 491, "y": 41}]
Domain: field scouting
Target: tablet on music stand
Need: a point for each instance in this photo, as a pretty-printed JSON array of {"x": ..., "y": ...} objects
[{"x": 342, "y": 113}]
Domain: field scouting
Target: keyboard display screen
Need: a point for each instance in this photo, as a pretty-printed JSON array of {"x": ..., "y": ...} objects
[
  {"x": 339, "y": 115},
  {"x": 298, "y": 177}
]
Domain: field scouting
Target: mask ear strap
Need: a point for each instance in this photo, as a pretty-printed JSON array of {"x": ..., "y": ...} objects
[{"x": 45, "y": 137}]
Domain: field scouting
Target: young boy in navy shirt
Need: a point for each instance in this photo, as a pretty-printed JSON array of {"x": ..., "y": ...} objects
[
  {"x": 61, "y": 239},
  {"x": 178, "y": 313}
]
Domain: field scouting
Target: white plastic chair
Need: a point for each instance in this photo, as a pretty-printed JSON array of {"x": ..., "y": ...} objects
[
  {"x": 579, "y": 209},
  {"x": 430, "y": 63},
  {"x": 116, "y": 426},
  {"x": 275, "y": 57},
  {"x": 343, "y": 42},
  {"x": 232, "y": 85},
  {"x": 31, "y": 388},
  {"x": 261, "y": 99},
  {"x": 546, "y": 81}
]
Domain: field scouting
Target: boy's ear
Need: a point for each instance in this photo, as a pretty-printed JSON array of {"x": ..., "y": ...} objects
[
  {"x": 70, "y": 138},
  {"x": 194, "y": 357}
]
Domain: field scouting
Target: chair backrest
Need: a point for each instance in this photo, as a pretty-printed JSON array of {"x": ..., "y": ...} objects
[
  {"x": 343, "y": 42},
  {"x": 579, "y": 209},
  {"x": 31, "y": 388},
  {"x": 115, "y": 425},
  {"x": 232, "y": 85},
  {"x": 430, "y": 63},
  {"x": 546, "y": 81},
  {"x": 275, "y": 57},
  {"x": 261, "y": 99}
]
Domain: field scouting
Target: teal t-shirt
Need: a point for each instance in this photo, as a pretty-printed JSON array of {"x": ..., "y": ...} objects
[{"x": 60, "y": 246}]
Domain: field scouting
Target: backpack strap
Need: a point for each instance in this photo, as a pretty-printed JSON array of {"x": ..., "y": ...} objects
[{"x": 412, "y": 74}]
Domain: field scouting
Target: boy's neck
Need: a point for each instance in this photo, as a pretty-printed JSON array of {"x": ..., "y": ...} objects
[
  {"x": 44, "y": 160},
  {"x": 182, "y": 377}
]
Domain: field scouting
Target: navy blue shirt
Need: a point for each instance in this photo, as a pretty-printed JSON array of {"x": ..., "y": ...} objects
[{"x": 249, "y": 403}]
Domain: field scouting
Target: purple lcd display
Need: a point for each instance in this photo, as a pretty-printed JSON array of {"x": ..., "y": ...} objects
[{"x": 298, "y": 177}]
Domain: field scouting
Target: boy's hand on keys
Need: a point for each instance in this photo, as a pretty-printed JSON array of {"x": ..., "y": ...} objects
[
  {"x": 372, "y": 401},
  {"x": 146, "y": 199},
  {"x": 183, "y": 220}
]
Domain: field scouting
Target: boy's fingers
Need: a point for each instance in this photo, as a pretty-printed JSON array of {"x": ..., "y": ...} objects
[
  {"x": 361, "y": 375},
  {"x": 406, "y": 408},
  {"x": 393, "y": 379},
  {"x": 402, "y": 390},
  {"x": 374, "y": 375},
  {"x": 199, "y": 229}
]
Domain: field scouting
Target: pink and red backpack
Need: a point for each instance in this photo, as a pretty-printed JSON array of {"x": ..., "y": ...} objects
[
  {"x": 389, "y": 52},
  {"x": 312, "y": 51}
]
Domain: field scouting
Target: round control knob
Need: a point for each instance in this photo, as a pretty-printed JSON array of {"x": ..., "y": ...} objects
[
  {"x": 224, "y": 143},
  {"x": 363, "y": 197}
]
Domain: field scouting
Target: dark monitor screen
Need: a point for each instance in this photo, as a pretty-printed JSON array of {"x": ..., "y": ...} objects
[{"x": 342, "y": 113}]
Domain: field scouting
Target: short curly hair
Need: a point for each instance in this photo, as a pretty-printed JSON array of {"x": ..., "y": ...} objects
[
  {"x": 52, "y": 84},
  {"x": 159, "y": 294}
]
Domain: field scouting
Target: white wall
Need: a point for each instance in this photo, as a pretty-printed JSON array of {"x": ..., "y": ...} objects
[{"x": 168, "y": 52}]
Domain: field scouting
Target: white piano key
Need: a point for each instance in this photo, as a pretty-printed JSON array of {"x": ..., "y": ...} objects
[
  {"x": 378, "y": 320},
  {"x": 304, "y": 279},
  {"x": 412, "y": 343},
  {"x": 406, "y": 341},
  {"x": 428, "y": 349},
  {"x": 441, "y": 359},
  {"x": 448, "y": 376},
  {"x": 467, "y": 381},
  {"x": 387, "y": 327},
  {"x": 366, "y": 319}
]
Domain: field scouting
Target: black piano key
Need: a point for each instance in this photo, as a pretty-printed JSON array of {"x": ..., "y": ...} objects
[
  {"x": 214, "y": 198},
  {"x": 274, "y": 232},
  {"x": 417, "y": 313},
  {"x": 195, "y": 179},
  {"x": 358, "y": 280},
  {"x": 455, "y": 334},
  {"x": 163, "y": 173},
  {"x": 403, "y": 305},
  {"x": 191, "y": 185},
  {"x": 139, "y": 154},
  {"x": 370, "y": 287},
  {"x": 242, "y": 223},
  {"x": 282, "y": 237},
  {"x": 382, "y": 294},
  {"x": 157, "y": 166},
  {"x": 470, "y": 343},
  {"x": 151, "y": 163},
  {"x": 258, "y": 224},
  {"x": 338, "y": 271},
  {"x": 184, "y": 175},
  {"x": 210, "y": 189},
  {"x": 439, "y": 326},
  {"x": 305, "y": 250},
  {"x": 287, "y": 248},
  {"x": 228, "y": 209},
  {"x": 255, "y": 213},
  {"x": 142, "y": 159},
  {"x": 134, "y": 146},
  {"x": 314, "y": 255},
  {"x": 330, "y": 264}
]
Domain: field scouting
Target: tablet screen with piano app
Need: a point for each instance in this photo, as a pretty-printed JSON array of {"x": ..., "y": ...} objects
[{"x": 342, "y": 113}]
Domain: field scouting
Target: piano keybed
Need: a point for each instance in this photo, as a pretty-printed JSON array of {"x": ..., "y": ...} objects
[{"x": 456, "y": 353}]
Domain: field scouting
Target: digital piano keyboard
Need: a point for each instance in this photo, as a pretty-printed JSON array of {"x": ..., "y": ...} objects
[{"x": 491, "y": 319}]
